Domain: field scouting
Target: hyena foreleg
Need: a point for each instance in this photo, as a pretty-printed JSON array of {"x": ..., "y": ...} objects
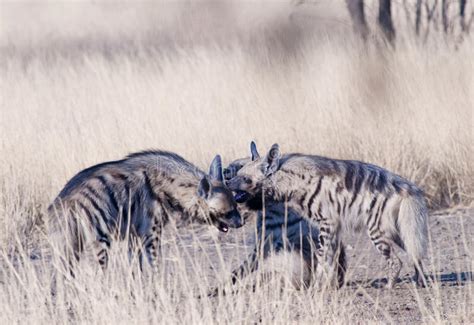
[
  {"x": 329, "y": 253},
  {"x": 419, "y": 277},
  {"x": 151, "y": 240},
  {"x": 341, "y": 264}
]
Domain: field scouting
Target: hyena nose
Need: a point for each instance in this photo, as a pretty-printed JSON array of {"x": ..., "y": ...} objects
[{"x": 232, "y": 184}]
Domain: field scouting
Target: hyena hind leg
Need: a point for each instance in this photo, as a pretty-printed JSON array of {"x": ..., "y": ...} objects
[
  {"x": 331, "y": 256},
  {"x": 419, "y": 278},
  {"x": 394, "y": 264},
  {"x": 341, "y": 267},
  {"x": 152, "y": 249}
]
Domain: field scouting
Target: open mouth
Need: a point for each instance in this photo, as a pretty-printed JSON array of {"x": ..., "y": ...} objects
[
  {"x": 222, "y": 227},
  {"x": 241, "y": 196}
]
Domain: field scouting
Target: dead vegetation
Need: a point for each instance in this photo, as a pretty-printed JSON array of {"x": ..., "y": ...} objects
[{"x": 85, "y": 84}]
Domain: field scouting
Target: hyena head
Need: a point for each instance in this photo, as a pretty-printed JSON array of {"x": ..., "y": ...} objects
[
  {"x": 231, "y": 170},
  {"x": 251, "y": 178},
  {"x": 219, "y": 200}
]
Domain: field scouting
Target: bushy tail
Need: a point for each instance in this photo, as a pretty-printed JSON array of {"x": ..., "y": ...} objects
[{"x": 412, "y": 222}]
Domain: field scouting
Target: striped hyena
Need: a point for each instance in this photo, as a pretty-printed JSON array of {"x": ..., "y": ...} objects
[
  {"x": 280, "y": 231},
  {"x": 132, "y": 199},
  {"x": 344, "y": 193}
]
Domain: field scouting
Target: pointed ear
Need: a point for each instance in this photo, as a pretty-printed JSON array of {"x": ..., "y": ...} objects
[
  {"x": 253, "y": 151},
  {"x": 215, "y": 170},
  {"x": 272, "y": 160},
  {"x": 204, "y": 188}
]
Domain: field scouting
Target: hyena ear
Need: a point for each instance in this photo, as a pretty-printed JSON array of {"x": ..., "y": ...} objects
[
  {"x": 272, "y": 160},
  {"x": 204, "y": 188},
  {"x": 253, "y": 151},
  {"x": 215, "y": 170}
]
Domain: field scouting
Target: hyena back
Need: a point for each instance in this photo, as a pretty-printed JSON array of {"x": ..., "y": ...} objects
[
  {"x": 133, "y": 199},
  {"x": 345, "y": 193}
]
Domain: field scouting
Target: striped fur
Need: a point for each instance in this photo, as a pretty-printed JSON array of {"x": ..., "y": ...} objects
[
  {"x": 346, "y": 194},
  {"x": 280, "y": 230},
  {"x": 132, "y": 199}
]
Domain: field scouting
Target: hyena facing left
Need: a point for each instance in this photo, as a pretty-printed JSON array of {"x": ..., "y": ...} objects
[
  {"x": 344, "y": 193},
  {"x": 281, "y": 233},
  {"x": 132, "y": 199}
]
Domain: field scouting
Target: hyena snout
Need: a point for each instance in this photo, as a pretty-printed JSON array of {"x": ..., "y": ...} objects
[
  {"x": 242, "y": 187},
  {"x": 239, "y": 183},
  {"x": 231, "y": 219}
]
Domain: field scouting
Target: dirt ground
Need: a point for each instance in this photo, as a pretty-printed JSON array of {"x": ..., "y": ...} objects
[{"x": 448, "y": 265}]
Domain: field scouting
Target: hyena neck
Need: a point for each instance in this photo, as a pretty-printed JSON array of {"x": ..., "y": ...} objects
[
  {"x": 284, "y": 185},
  {"x": 179, "y": 193},
  {"x": 193, "y": 207}
]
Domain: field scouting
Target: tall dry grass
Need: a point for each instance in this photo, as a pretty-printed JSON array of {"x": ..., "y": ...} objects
[{"x": 85, "y": 84}]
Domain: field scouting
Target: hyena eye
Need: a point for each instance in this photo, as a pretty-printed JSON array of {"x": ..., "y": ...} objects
[{"x": 247, "y": 180}]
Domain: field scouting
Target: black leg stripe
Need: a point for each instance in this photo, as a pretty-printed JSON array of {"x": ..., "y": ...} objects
[
  {"x": 370, "y": 212},
  {"x": 378, "y": 215},
  {"x": 382, "y": 208}
]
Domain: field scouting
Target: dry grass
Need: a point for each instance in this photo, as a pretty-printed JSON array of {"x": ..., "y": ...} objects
[{"x": 112, "y": 79}]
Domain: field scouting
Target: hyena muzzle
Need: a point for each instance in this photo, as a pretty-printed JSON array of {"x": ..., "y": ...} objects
[
  {"x": 344, "y": 194},
  {"x": 132, "y": 199},
  {"x": 280, "y": 231}
]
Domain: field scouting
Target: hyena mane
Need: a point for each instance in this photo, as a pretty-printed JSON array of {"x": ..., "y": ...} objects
[
  {"x": 349, "y": 194},
  {"x": 133, "y": 199}
]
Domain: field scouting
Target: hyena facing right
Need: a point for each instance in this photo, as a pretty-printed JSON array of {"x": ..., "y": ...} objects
[
  {"x": 133, "y": 199},
  {"x": 344, "y": 193}
]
